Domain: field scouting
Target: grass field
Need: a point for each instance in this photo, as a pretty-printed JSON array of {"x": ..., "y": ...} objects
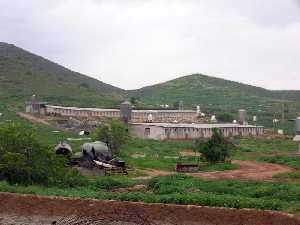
[
  {"x": 179, "y": 189},
  {"x": 182, "y": 189},
  {"x": 44, "y": 133}
]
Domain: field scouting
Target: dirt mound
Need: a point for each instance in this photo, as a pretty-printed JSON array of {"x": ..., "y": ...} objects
[{"x": 30, "y": 209}]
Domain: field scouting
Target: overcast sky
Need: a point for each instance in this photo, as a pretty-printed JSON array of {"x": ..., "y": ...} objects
[{"x": 131, "y": 44}]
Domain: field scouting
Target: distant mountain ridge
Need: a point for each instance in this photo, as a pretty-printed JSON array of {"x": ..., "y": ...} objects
[
  {"x": 23, "y": 74},
  {"x": 198, "y": 88}
]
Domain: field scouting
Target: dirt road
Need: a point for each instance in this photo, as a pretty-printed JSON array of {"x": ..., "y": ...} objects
[
  {"x": 249, "y": 170},
  {"x": 32, "y": 119}
]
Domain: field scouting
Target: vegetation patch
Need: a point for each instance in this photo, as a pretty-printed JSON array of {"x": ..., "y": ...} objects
[
  {"x": 292, "y": 161},
  {"x": 181, "y": 189},
  {"x": 264, "y": 145},
  {"x": 207, "y": 167}
]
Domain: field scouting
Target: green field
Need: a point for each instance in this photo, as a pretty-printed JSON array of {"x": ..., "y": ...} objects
[{"x": 179, "y": 189}]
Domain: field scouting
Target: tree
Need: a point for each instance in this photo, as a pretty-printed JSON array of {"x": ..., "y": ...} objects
[
  {"x": 225, "y": 117},
  {"x": 24, "y": 160},
  {"x": 216, "y": 149},
  {"x": 114, "y": 133}
]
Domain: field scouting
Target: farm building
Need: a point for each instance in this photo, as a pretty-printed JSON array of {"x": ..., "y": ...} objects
[
  {"x": 125, "y": 113},
  {"x": 35, "y": 107},
  {"x": 169, "y": 131}
]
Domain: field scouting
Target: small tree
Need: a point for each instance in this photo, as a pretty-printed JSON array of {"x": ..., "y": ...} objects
[
  {"x": 225, "y": 117},
  {"x": 216, "y": 149},
  {"x": 114, "y": 134}
]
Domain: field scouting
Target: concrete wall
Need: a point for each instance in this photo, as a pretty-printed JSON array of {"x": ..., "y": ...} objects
[
  {"x": 188, "y": 133},
  {"x": 76, "y": 112},
  {"x": 140, "y": 131},
  {"x": 136, "y": 115},
  {"x": 166, "y": 116}
]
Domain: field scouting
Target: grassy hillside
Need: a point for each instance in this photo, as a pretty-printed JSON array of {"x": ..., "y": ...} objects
[
  {"x": 23, "y": 74},
  {"x": 217, "y": 95}
]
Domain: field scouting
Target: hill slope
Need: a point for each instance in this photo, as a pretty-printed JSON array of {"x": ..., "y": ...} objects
[
  {"x": 201, "y": 89},
  {"x": 23, "y": 74},
  {"x": 217, "y": 95}
]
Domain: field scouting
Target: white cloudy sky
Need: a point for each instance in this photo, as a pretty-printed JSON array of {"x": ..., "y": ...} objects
[{"x": 133, "y": 43}]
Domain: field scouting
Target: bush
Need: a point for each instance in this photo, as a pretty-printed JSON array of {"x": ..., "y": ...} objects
[
  {"x": 225, "y": 118},
  {"x": 109, "y": 183},
  {"x": 114, "y": 134},
  {"x": 24, "y": 160},
  {"x": 292, "y": 161},
  {"x": 216, "y": 149}
]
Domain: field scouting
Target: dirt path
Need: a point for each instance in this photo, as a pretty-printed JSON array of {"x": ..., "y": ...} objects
[
  {"x": 249, "y": 170},
  {"x": 32, "y": 119}
]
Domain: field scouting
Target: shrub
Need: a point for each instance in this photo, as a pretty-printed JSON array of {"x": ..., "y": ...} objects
[
  {"x": 114, "y": 134},
  {"x": 225, "y": 117},
  {"x": 216, "y": 149},
  {"x": 24, "y": 160}
]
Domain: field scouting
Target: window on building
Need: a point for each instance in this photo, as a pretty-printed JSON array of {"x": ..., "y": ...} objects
[{"x": 147, "y": 131}]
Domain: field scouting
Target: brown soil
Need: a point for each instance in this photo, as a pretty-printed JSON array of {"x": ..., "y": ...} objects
[
  {"x": 156, "y": 173},
  {"x": 249, "y": 170},
  {"x": 31, "y": 209},
  {"x": 32, "y": 118}
]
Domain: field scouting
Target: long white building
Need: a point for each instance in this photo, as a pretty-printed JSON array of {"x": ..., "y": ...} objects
[{"x": 171, "y": 131}]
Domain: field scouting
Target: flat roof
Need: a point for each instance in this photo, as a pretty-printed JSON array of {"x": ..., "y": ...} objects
[
  {"x": 117, "y": 110},
  {"x": 84, "y": 109},
  {"x": 164, "y": 110},
  {"x": 202, "y": 125}
]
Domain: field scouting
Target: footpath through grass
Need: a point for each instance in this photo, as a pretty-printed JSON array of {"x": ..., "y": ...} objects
[{"x": 181, "y": 189}]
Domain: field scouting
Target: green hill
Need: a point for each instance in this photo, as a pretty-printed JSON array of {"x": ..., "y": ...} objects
[
  {"x": 23, "y": 74},
  {"x": 217, "y": 95}
]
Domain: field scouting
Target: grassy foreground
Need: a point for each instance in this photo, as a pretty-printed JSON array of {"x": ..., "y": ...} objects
[
  {"x": 178, "y": 189},
  {"x": 181, "y": 189}
]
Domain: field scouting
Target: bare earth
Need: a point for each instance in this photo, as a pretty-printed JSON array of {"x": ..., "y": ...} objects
[
  {"x": 41, "y": 210},
  {"x": 32, "y": 119},
  {"x": 249, "y": 170}
]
